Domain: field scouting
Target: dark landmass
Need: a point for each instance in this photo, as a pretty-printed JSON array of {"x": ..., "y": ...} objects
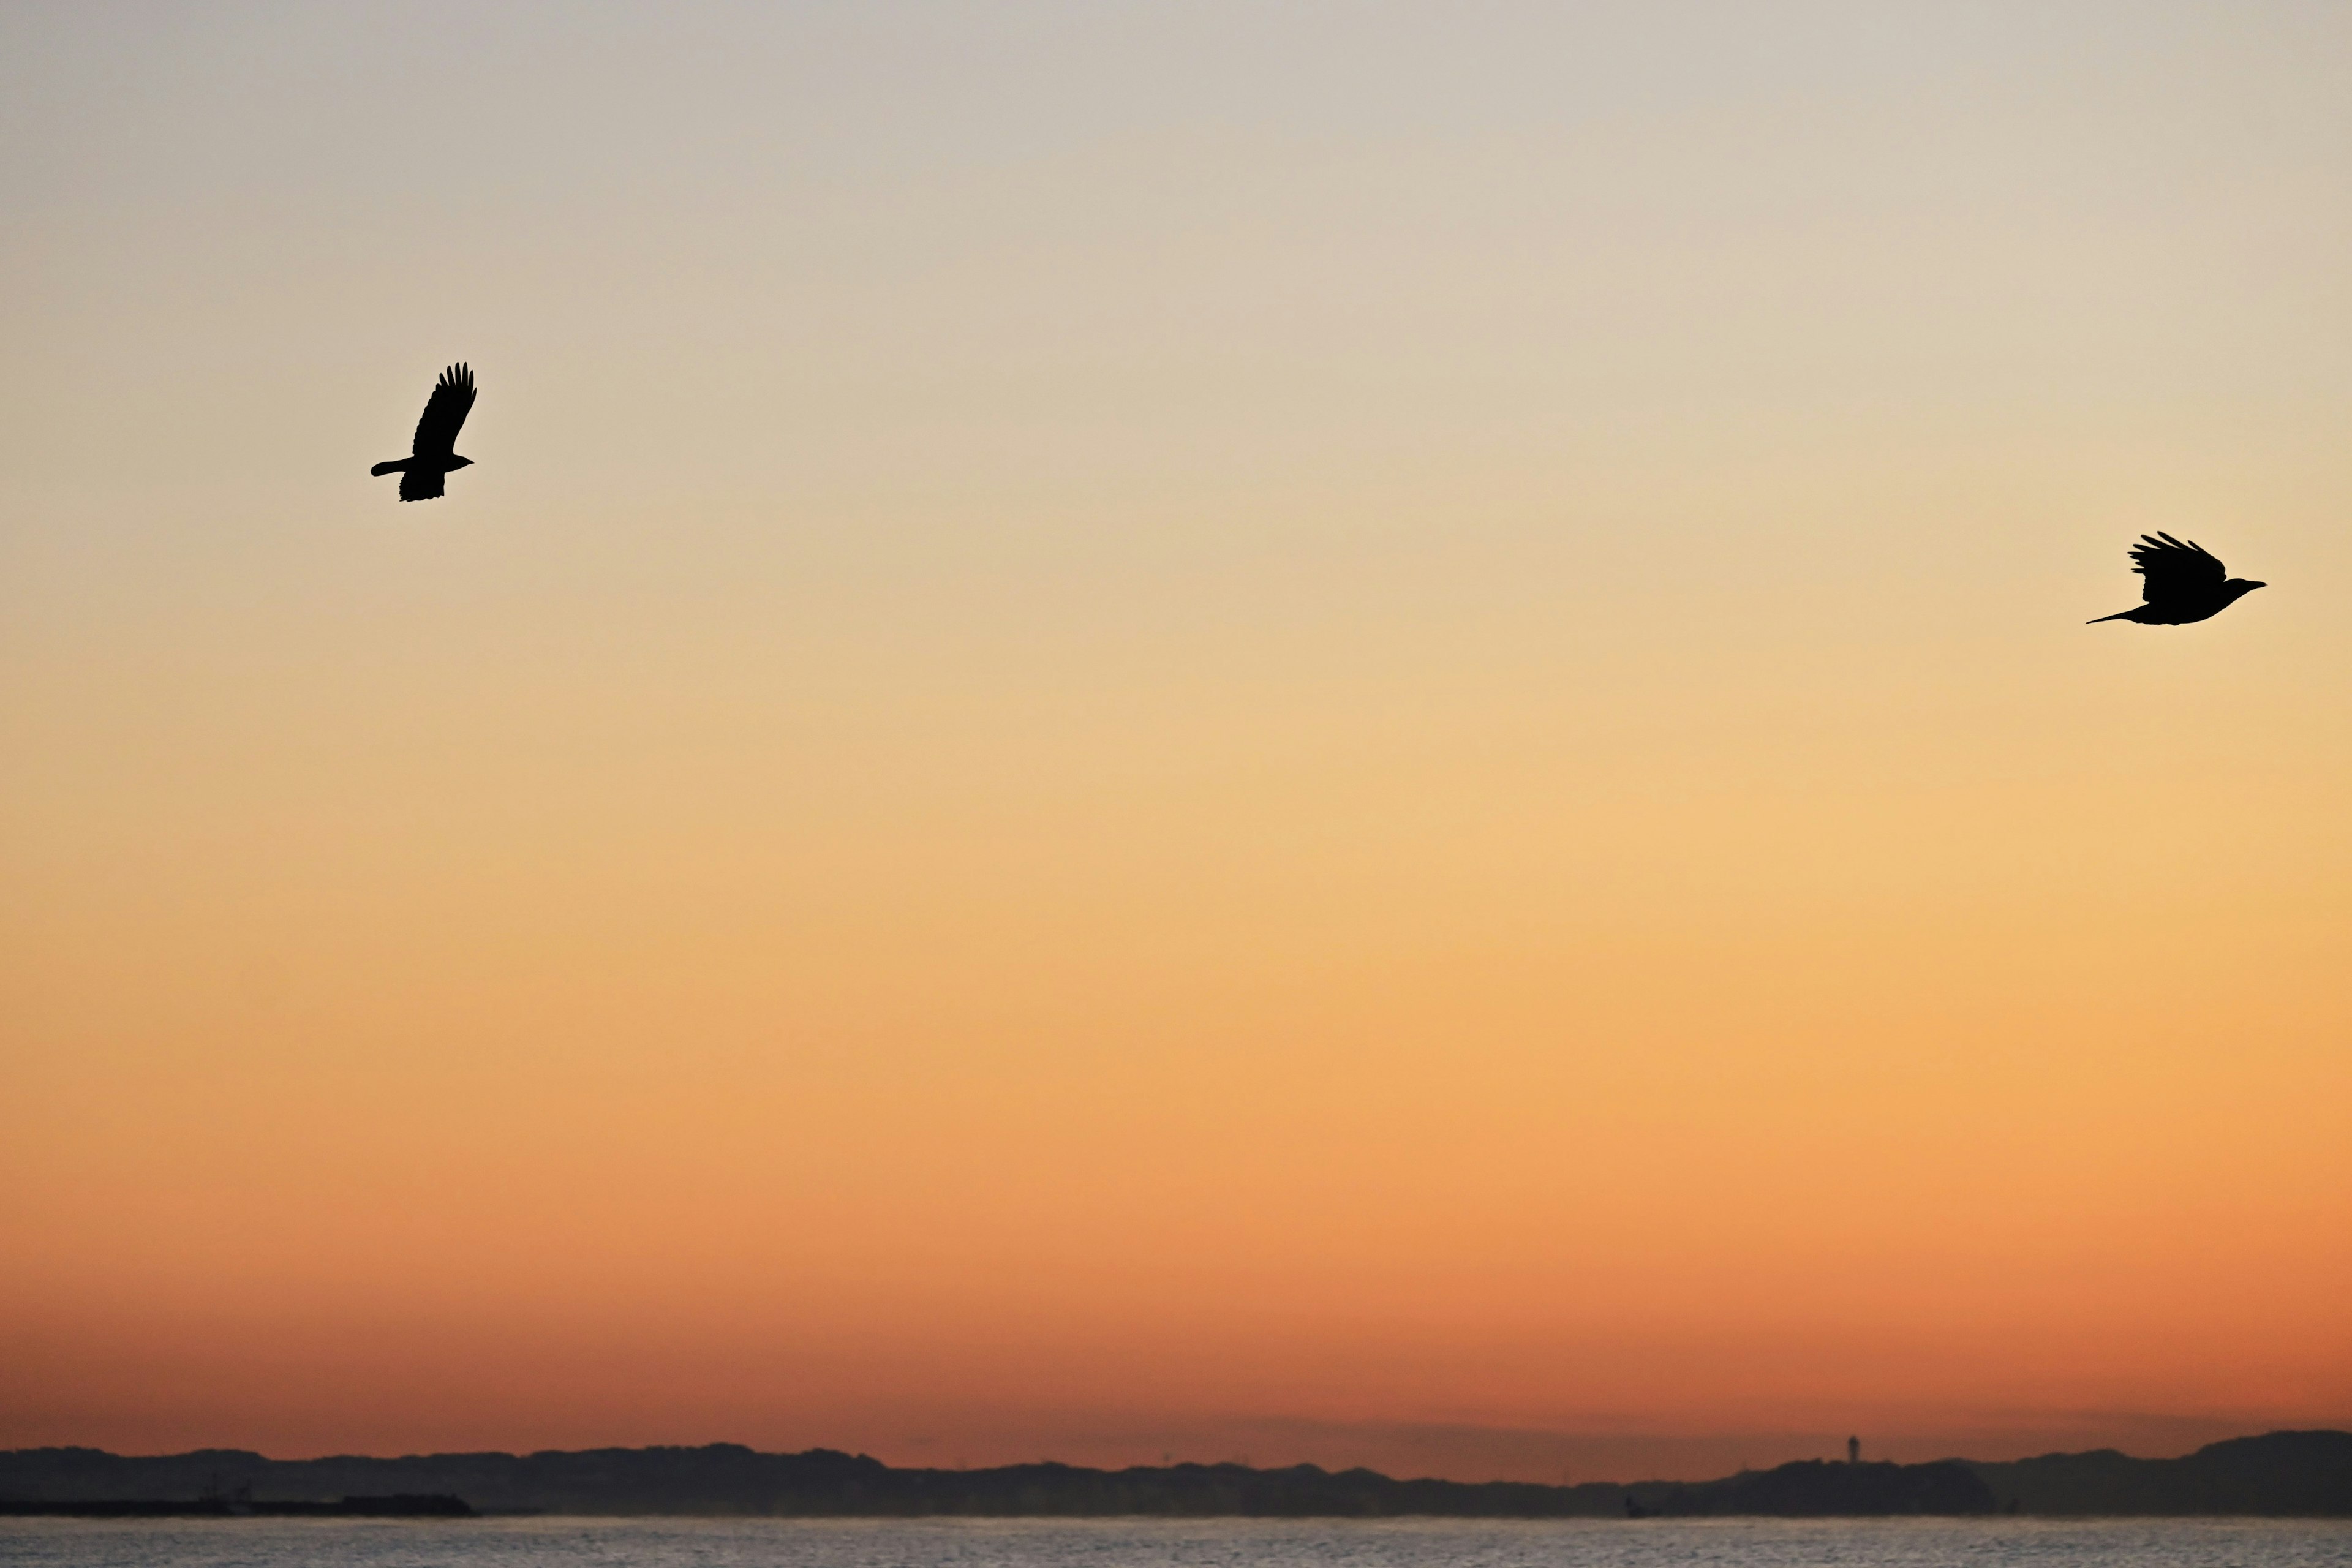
[
  {"x": 726, "y": 1478},
  {"x": 402, "y": 1507},
  {"x": 1815, "y": 1489},
  {"x": 2285, "y": 1473}
]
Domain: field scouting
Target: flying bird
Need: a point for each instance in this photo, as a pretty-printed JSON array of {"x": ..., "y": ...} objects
[
  {"x": 2182, "y": 583},
  {"x": 432, "y": 453}
]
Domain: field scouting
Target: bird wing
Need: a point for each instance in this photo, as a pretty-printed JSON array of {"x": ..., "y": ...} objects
[
  {"x": 2173, "y": 570},
  {"x": 444, "y": 413}
]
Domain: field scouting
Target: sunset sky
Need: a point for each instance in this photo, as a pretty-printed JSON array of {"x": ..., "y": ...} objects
[{"x": 1356, "y": 732}]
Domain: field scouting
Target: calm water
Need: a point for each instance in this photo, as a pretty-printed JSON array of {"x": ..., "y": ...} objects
[{"x": 1128, "y": 1543}]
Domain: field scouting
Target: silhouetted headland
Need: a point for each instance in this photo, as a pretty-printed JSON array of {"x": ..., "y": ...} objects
[
  {"x": 2285, "y": 1473},
  {"x": 1816, "y": 1488},
  {"x": 402, "y": 1506}
]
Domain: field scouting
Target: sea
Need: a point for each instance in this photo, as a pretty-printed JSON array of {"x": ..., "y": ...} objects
[{"x": 1185, "y": 1543}]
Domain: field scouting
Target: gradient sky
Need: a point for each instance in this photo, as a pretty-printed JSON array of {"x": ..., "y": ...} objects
[{"x": 1338, "y": 732}]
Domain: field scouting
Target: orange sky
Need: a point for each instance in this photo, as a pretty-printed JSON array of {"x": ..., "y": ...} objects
[{"x": 1222, "y": 731}]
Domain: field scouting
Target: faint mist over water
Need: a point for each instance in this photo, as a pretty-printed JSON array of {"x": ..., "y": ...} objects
[{"x": 1192, "y": 1543}]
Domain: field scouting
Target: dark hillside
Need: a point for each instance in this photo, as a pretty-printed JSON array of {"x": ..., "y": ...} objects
[
  {"x": 1815, "y": 1489},
  {"x": 2285, "y": 1473},
  {"x": 2281, "y": 1473}
]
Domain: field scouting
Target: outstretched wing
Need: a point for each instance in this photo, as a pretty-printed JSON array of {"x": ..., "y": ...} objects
[
  {"x": 444, "y": 413},
  {"x": 2173, "y": 570}
]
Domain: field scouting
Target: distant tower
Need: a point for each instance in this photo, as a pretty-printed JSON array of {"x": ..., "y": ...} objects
[{"x": 1854, "y": 1450}]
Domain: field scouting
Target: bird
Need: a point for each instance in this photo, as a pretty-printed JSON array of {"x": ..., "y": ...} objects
[
  {"x": 431, "y": 456},
  {"x": 2184, "y": 582}
]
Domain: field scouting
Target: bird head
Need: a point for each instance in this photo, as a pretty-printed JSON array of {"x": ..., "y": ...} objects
[
  {"x": 2239, "y": 587},
  {"x": 456, "y": 463}
]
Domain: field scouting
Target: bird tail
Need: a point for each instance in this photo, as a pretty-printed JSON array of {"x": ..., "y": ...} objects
[{"x": 397, "y": 466}]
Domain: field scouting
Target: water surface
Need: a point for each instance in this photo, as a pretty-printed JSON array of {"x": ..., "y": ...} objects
[{"x": 1185, "y": 1543}]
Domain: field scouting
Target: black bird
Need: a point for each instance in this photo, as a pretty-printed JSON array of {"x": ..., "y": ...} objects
[
  {"x": 432, "y": 453},
  {"x": 2183, "y": 583}
]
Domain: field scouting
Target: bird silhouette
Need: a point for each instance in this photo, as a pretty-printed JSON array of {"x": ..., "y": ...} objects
[
  {"x": 432, "y": 455},
  {"x": 2181, "y": 584}
]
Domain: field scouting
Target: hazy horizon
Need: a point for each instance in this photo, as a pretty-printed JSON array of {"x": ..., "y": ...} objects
[
  {"x": 1404, "y": 1451},
  {"x": 1313, "y": 730}
]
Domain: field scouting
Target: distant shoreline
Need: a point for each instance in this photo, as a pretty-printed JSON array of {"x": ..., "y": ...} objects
[
  {"x": 406, "y": 1507},
  {"x": 2279, "y": 1475}
]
